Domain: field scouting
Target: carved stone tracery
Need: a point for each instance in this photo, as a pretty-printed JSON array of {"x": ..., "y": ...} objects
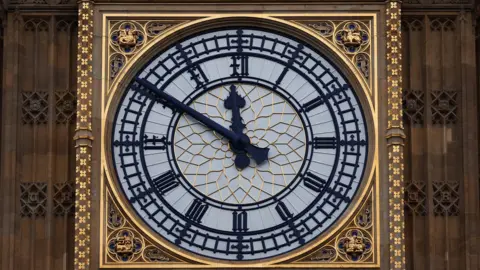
[
  {"x": 35, "y": 107},
  {"x": 416, "y": 198},
  {"x": 444, "y": 107},
  {"x": 66, "y": 106},
  {"x": 414, "y": 106},
  {"x": 63, "y": 198},
  {"x": 446, "y": 198},
  {"x": 33, "y": 199}
]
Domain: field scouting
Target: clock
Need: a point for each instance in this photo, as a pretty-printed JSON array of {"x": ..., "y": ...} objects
[{"x": 239, "y": 144}]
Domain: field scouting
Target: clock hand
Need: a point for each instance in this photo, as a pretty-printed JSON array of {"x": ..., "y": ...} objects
[
  {"x": 257, "y": 153},
  {"x": 234, "y": 102}
]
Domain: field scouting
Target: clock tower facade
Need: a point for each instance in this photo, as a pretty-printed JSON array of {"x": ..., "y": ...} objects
[{"x": 238, "y": 134}]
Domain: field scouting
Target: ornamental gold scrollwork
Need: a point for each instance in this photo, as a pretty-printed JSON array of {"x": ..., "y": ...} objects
[
  {"x": 127, "y": 38},
  {"x": 353, "y": 244},
  {"x": 351, "y": 37},
  {"x": 325, "y": 254},
  {"x": 124, "y": 244}
]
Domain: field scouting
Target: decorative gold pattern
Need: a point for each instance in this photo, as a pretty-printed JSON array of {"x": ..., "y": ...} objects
[
  {"x": 153, "y": 254},
  {"x": 324, "y": 28},
  {"x": 325, "y": 254},
  {"x": 127, "y": 38},
  {"x": 352, "y": 37},
  {"x": 83, "y": 138},
  {"x": 395, "y": 136},
  {"x": 117, "y": 62},
  {"x": 355, "y": 245},
  {"x": 352, "y": 244},
  {"x": 125, "y": 245}
]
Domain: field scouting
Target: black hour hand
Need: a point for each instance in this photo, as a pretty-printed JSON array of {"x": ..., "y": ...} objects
[{"x": 235, "y": 102}]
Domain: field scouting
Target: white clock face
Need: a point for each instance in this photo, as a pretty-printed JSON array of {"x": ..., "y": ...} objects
[{"x": 239, "y": 144}]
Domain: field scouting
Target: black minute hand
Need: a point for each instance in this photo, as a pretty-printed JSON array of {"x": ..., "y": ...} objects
[{"x": 258, "y": 154}]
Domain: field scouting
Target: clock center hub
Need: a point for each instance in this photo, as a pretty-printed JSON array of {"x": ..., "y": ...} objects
[{"x": 266, "y": 119}]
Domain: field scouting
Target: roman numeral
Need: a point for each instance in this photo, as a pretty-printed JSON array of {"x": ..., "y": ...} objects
[
  {"x": 324, "y": 143},
  {"x": 196, "y": 211},
  {"x": 312, "y": 104},
  {"x": 239, "y": 65},
  {"x": 154, "y": 143},
  {"x": 336, "y": 91},
  {"x": 198, "y": 75},
  {"x": 240, "y": 221},
  {"x": 283, "y": 211},
  {"x": 314, "y": 182},
  {"x": 165, "y": 182},
  {"x": 295, "y": 55},
  {"x": 196, "y": 72}
]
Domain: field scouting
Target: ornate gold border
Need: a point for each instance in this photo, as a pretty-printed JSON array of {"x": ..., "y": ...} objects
[
  {"x": 83, "y": 136},
  {"x": 279, "y": 19},
  {"x": 395, "y": 136}
]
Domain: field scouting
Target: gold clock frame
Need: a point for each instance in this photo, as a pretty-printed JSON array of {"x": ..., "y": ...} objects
[{"x": 109, "y": 195}]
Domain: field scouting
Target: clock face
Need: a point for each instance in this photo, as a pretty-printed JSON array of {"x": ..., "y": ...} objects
[{"x": 239, "y": 144}]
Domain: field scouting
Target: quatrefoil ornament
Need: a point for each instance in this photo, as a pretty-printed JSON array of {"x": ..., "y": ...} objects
[
  {"x": 352, "y": 37},
  {"x": 127, "y": 38}
]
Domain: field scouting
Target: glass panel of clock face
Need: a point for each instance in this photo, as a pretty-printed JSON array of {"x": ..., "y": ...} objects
[{"x": 206, "y": 192}]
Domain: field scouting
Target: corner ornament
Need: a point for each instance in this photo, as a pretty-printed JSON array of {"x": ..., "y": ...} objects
[
  {"x": 127, "y": 38},
  {"x": 355, "y": 245},
  {"x": 352, "y": 38},
  {"x": 124, "y": 245}
]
